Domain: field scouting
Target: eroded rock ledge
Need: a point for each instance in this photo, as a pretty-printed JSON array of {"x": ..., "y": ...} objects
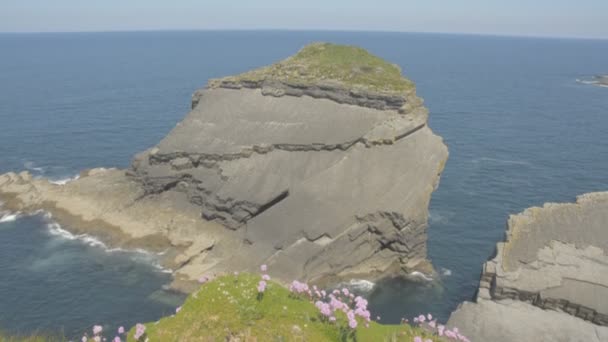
[
  {"x": 317, "y": 185},
  {"x": 553, "y": 266}
]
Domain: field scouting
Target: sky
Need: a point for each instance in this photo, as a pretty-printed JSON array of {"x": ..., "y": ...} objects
[{"x": 554, "y": 18}]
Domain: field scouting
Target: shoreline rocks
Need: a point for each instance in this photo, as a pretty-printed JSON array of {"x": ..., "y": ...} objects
[
  {"x": 319, "y": 186},
  {"x": 552, "y": 267}
]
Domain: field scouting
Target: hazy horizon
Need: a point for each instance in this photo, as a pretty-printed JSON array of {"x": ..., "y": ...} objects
[{"x": 586, "y": 19}]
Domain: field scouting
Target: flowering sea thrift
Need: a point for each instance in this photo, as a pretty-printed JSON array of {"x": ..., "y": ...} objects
[
  {"x": 453, "y": 334},
  {"x": 261, "y": 286},
  {"x": 97, "y": 329},
  {"x": 140, "y": 330}
]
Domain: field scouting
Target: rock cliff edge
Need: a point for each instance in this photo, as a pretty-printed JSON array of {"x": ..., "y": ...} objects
[{"x": 548, "y": 281}]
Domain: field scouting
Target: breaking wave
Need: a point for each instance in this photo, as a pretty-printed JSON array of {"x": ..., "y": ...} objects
[
  {"x": 361, "y": 285},
  {"x": 421, "y": 275},
  {"x": 138, "y": 255},
  {"x": 63, "y": 181},
  {"x": 9, "y": 217}
]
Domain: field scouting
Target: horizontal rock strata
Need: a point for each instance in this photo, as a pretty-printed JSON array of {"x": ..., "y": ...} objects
[
  {"x": 317, "y": 181},
  {"x": 554, "y": 258}
]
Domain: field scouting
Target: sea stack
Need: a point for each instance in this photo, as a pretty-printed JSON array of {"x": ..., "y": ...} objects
[
  {"x": 321, "y": 166},
  {"x": 548, "y": 281}
]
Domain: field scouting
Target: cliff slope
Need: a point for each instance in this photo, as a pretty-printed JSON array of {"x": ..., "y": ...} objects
[{"x": 548, "y": 280}]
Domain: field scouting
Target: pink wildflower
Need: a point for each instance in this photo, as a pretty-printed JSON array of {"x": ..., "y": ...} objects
[
  {"x": 430, "y": 317},
  {"x": 417, "y": 339},
  {"x": 440, "y": 329},
  {"x": 432, "y": 324},
  {"x": 84, "y": 339},
  {"x": 264, "y": 268},
  {"x": 352, "y": 323},
  {"x": 345, "y": 291},
  {"x": 324, "y": 308},
  {"x": 421, "y": 319},
  {"x": 97, "y": 329},
  {"x": 203, "y": 279},
  {"x": 116, "y": 339},
  {"x": 178, "y": 309},
  {"x": 140, "y": 329},
  {"x": 261, "y": 286},
  {"x": 121, "y": 330},
  {"x": 266, "y": 277}
]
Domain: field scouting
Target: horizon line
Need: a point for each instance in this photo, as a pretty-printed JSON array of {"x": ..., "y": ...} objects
[{"x": 498, "y": 35}]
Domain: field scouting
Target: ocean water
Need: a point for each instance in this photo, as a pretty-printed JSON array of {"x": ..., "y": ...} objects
[{"x": 520, "y": 129}]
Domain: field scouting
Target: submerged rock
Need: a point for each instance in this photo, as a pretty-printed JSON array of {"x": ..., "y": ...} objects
[
  {"x": 549, "y": 280},
  {"x": 321, "y": 166}
]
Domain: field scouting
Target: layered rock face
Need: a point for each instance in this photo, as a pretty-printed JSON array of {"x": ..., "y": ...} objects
[
  {"x": 319, "y": 180},
  {"x": 321, "y": 166},
  {"x": 548, "y": 280}
]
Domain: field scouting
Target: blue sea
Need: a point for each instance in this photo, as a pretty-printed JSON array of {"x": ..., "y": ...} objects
[{"x": 520, "y": 129}]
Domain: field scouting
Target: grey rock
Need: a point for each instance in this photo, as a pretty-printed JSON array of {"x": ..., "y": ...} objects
[
  {"x": 316, "y": 186},
  {"x": 512, "y": 320},
  {"x": 552, "y": 269}
]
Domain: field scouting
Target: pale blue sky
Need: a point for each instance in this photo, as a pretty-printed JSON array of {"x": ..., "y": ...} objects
[{"x": 560, "y": 18}]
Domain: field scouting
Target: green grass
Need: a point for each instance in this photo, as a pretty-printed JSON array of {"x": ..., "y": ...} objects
[
  {"x": 31, "y": 338},
  {"x": 228, "y": 308},
  {"x": 349, "y": 66}
]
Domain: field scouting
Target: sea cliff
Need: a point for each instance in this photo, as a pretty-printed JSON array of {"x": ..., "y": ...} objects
[
  {"x": 321, "y": 166},
  {"x": 548, "y": 280}
]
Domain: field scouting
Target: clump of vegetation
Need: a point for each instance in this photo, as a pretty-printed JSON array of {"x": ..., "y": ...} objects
[
  {"x": 248, "y": 307},
  {"x": 348, "y": 66}
]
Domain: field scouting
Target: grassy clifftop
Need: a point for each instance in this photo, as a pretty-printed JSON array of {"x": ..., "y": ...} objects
[
  {"x": 252, "y": 308},
  {"x": 348, "y": 66},
  {"x": 230, "y": 308}
]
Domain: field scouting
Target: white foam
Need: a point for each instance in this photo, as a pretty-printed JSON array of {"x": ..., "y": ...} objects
[
  {"x": 10, "y": 217},
  {"x": 55, "y": 229},
  {"x": 138, "y": 255},
  {"x": 32, "y": 167},
  {"x": 361, "y": 285},
  {"x": 64, "y": 181},
  {"x": 445, "y": 272},
  {"x": 421, "y": 275}
]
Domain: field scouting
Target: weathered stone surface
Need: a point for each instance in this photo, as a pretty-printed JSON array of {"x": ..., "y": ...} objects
[
  {"x": 315, "y": 185},
  {"x": 292, "y": 171},
  {"x": 554, "y": 258},
  {"x": 512, "y": 320}
]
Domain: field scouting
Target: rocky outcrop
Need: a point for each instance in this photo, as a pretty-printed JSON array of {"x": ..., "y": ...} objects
[
  {"x": 317, "y": 181},
  {"x": 552, "y": 269}
]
